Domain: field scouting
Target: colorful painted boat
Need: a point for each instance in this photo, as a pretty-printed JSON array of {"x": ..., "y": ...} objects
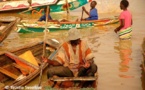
[
  {"x": 13, "y": 5},
  {"x": 24, "y": 4},
  {"x": 58, "y": 7},
  {"x": 27, "y": 27},
  {"x": 11, "y": 70},
  {"x": 6, "y": 26},
  {"x": 72, "y": 4}
]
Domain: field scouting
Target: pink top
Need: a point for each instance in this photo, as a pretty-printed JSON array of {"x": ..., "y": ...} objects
[{"x": 126, "y": 15}]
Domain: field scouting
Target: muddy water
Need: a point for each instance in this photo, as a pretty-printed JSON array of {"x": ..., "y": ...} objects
[{"x": 119, "y": 62}]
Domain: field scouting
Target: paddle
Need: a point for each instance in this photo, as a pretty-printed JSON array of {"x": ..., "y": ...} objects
[
  {"x": 44, "y": 45},
  {"x": 67, "y": 6},
  {"x": 67, "y": 9}
]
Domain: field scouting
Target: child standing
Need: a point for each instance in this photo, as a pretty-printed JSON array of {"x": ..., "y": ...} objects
[{"x": 125, "y": 29}]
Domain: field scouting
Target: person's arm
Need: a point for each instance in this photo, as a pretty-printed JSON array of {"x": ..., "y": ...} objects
[
  {"x": 121, "y": 26},
  {"x": 51, "y": 62},
  {"x": 88, "y": 63},
  {"x": 84, "y": 9},
  {"x": 131, "y": 22}
]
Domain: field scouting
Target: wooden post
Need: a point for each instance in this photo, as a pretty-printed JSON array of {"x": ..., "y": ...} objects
[
  {"x": 45, "y": 31},
  {"x": 44, "y": 45}
]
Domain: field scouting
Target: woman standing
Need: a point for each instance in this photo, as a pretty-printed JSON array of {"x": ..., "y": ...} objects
[{"x": 125, "y": 29}]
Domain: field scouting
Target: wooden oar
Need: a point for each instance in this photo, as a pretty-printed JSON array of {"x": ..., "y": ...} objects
[
  {"x": 67, "y": 6},
  {"x": 44, "y": 45},
  {"x": 67, "y": 9}
]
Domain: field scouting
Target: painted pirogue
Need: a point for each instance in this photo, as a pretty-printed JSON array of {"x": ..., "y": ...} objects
[
  {"x": 55, "y": 5},
  {"x": 13, "y": 65},
  {"x": 6, "y": 26},
  {"x": 28, "y": 26}
]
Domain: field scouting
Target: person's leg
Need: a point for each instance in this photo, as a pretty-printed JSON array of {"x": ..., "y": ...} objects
[
  {"x": 60, "y": 71},
  {"x": 82, "y": 72},
  {"x": 92, "y": 70}
]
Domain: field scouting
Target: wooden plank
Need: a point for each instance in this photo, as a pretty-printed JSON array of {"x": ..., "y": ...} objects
[
  {"x": 20, "y": 67},
  {"x": 89, "y": 21},
  {"x": 73, "y": 78},
  {"x": 8, "y": 73},
  {"x": 27, "y": 46},
  {"x": 14, "y": 57}
]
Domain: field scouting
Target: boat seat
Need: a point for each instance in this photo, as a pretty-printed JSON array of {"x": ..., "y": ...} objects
[{"x": 72, "y": 79}]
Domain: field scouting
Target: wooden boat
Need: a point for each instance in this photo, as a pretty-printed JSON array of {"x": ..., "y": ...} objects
[
  {"x": 10, "y": 70},
  {"x": 55, "y": 5},
  {"x": 6, "y": 26},
  {"x": 27, "y": 27},
  {"x": 62, "y": 6},
  {"x": 71, "y": 83},
  {"x": 23, "y": 4}
]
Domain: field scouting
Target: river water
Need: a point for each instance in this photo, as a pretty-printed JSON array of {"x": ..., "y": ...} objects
[{"x": 119, "y": 62}]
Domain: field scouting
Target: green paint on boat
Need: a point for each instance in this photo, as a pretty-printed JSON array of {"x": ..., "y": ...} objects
[
  {"x": 61, "y": 7},
  {"x": 62, "y": 27},
  {"x": 31, "y": 30},
  {"x": 72, "y": 5},
  {"x": 80, "y": 25}
]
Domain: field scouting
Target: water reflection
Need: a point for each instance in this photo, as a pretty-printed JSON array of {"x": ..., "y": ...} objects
[
  {"x": 125, "y": 54},
  {"x": 125, "y": 51}
]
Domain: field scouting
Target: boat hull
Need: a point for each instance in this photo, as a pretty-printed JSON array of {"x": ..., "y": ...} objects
[
  {"x": 37, "y": 27},
  {"x": 6, "y": 62},
  {"x": 5, "y": 28}
]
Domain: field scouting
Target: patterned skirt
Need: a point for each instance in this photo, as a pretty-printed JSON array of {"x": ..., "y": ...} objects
[{"x": 125, "y": 33}]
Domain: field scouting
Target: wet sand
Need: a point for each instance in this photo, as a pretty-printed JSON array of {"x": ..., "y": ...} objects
[{"x": 119, "y": 62}]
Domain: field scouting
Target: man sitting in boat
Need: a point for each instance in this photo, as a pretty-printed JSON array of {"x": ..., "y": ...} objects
[
  {"x": 74, "y": 58},
  {"x": 43, "y": 17},
  {"x": 93, "y": 14}
]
